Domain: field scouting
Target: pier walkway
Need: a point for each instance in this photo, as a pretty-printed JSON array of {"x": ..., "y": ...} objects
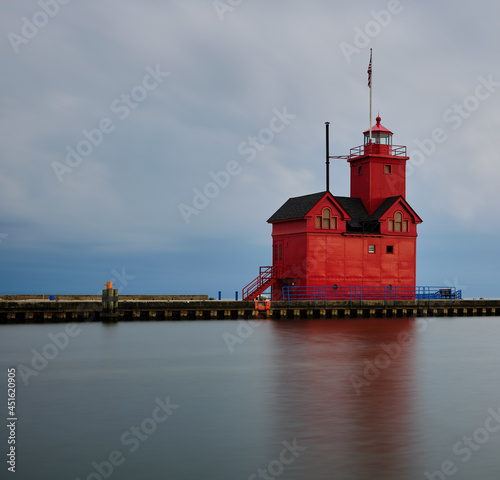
[{"x": 155, "y": 308}]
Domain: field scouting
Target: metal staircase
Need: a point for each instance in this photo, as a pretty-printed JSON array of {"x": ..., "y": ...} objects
[{"x": 267, "y": 276}]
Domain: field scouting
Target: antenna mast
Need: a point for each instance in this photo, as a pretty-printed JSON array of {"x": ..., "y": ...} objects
[{"x": 327, "y": 125}]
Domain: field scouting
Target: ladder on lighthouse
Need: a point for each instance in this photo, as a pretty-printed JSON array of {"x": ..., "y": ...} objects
[{"x": 267, "y": 276}]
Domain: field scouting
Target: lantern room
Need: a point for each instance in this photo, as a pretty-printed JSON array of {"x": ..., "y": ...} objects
[
  {"x": 378, "y": 138},
  {"x": 379, "y": 134}
]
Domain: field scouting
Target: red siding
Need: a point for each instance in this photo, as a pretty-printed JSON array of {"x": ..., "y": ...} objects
[
  {"x": 373, "y": 186},
  {"x": 316, "y": 259}
]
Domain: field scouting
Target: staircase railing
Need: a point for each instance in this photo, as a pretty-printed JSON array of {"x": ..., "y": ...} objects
[{"x": 267, "y": 276}]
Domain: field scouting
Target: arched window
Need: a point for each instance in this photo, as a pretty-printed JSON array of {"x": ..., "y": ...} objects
[
  {"x": 398, "y": 221},
  {"x": 397, "y": 224},
  {"x": 326, "y": 218},
  {"x": 325, "y": 221}
]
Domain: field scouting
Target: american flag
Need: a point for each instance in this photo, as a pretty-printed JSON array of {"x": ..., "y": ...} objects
[{"x": 370, "y": 71}]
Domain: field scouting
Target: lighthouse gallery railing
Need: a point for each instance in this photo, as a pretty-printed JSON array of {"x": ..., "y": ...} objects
[{"x": 378, "y": 149}]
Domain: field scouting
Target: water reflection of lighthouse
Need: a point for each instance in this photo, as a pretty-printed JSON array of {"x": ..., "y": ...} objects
[{"x": 344, "y": 389}]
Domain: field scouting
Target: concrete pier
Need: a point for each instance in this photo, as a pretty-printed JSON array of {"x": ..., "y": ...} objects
[{"x": 132, "y": 308}]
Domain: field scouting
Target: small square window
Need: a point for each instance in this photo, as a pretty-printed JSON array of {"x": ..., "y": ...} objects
[
  {"x": 388, "y": 169},
  {"x": 360, "y": 170},
  {"x": 371, "y": 248},
  {"x": 390, "y": 249}
]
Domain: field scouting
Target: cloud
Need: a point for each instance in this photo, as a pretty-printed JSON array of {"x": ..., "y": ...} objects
[{"x": 226, "y": 77}]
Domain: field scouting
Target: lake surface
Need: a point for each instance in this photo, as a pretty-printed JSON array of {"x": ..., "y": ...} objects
[{"x": 315, "y": 399}]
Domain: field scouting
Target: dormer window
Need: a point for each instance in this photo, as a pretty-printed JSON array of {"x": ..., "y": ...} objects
[
  {"x": 398, "y": 221},
  {"x": 398, "y": 224},
  {"x": 326, "y": 221}
]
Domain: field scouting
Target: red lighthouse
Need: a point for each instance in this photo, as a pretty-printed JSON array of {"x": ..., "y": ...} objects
[{"x": 367, "y": 239}]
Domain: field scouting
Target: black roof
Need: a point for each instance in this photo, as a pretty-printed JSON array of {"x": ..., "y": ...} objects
[
  {"x": 298, "y": 207},
  {"x": 384, "y": 206},
  {"x": 354, "y": 207}
]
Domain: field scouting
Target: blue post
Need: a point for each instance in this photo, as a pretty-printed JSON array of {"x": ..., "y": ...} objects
[
  {"x": 220, "y": 294},
  {"x": 236, "y": 295}
]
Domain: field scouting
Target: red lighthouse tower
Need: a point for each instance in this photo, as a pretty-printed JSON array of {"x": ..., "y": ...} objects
[
  {"x": 378, "y": 169},
  {"x": 367, "y": 239}
]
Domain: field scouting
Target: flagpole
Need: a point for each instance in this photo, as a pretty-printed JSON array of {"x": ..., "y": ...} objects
[{"x": 370, "y": 85}]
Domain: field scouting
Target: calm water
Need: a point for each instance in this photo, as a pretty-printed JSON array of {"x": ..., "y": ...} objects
[{"x": 355, "y": 399}]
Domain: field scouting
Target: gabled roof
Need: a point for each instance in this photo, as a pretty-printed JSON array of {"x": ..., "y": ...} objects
[
  {"x": 384, "y": 206},
  {"x": 299, "y": 207},
  {"x": 296, "y": 207},
  {"x": 388, "y": 203}
]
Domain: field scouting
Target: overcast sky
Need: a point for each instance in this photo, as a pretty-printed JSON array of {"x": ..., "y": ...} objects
[{"x": 147, "y": 142}]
